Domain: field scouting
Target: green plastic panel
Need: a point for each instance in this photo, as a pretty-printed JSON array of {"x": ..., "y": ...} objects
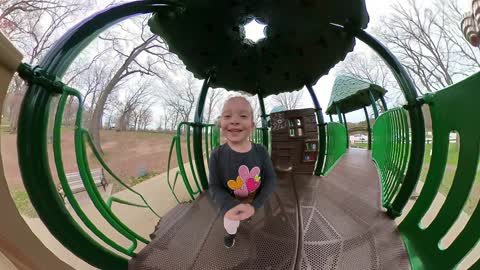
[
  {"x": 336, "y": 145},
  {"x": 452, "y": 109},
  {"x": 390, "y": 151}
]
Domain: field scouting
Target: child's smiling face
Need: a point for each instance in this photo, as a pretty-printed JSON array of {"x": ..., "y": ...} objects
[{"x": 237, "y": 120}]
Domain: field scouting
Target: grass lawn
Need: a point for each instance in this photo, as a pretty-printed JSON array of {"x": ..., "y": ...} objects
[
  {"x": 23, "y": 204},
  {"x": 449, "y": 175},
  {"x": 452, "y": 154},
  {"x": 360, "y": 145}
]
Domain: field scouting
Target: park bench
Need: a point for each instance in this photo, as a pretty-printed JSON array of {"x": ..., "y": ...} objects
[{"x": 76, "y": 185}]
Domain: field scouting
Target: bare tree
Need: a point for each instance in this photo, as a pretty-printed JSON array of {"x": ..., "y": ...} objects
[
  {"x": 370, "y": 68},
  {"x": 180, "y": 96},
  {"x": 289, "y": 101},
  {"x": 144, "y": 117},
  {"x": 215, "y": 96},
  {"x": 175, "y": 120},
  {"x": 9, "y": 7},
  {"x": 155, "y": 52},
  {"x": 89, "y": 76},
  {"x": 134, "y": 101},
  {"x": 166, "y": 118},
  {"x": 33, "y": 26},
  {"x": 111, "y": 113},
  {"x": 422, "y": 38}
]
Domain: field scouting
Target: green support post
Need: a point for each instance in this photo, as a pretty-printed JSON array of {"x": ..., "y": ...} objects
[
  {"x": 264, "y": 121},
  {"x": 374, "y": 105},
  {"x": 339, "y": 114},
  {"x": 322, "y": 136},
  {"x": 368, "y": 128},
  {"x": 384, "y": 103},
  {"x": 346, "y": 128},
  {"x": 197, "y": 134},
  {"x": 415, "y": 114},
  {"x": 331, "y": 118}
]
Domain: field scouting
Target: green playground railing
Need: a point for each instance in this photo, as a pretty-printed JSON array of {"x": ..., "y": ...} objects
[
  {"x": 336, "y": 145},
  {"x": 211, "y": 139},
  {"x": 32, "y": 145},
  {"x": 82, "y": 138},
  {"x": 454, "y": 109},
  {"x": 257, "y": 136},
  {"x": 390, "y": 151}
]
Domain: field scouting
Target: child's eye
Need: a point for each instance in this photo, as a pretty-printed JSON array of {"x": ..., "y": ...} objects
[
  {"x": 226, "y": 116},
  {"x": 243, "y": 116}
]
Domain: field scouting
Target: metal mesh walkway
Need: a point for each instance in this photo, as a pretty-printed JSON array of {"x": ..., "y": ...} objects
[
  {"x": 343, "y": 225},
  {"x": 339, "y": 226}
]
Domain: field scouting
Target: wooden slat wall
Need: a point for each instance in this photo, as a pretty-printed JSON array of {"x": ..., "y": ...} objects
[{"x": 287, "y": 150}]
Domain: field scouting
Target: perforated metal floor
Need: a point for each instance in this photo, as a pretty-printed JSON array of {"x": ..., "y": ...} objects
[
  {"x": 339, "y": 226},
  {"x": 343, "y": 226}
]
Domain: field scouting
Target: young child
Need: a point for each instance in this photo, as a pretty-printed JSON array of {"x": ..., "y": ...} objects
[{"x": 241, "y": 172}]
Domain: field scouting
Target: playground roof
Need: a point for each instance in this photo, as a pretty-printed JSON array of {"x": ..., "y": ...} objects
[
  {"x": 300, "y": 46},
  {"x": 278, "y": 109},
  {"x": 351, "y": 94}
]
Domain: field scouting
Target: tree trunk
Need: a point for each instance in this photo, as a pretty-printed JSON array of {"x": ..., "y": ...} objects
[
  {"x": 137, "y": 122},
  {"x": 96, "y": 121},
  {"x": 121, "y": 122}
]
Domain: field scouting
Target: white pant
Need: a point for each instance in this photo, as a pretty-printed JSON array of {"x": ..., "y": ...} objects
[{"x": 231, "y": 226}]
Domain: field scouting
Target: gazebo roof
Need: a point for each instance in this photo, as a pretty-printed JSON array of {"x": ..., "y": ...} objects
[
  {"x": 351, "y": 94},
  {"x": 301, "y": 43},
  {"x": 278, "y": 109}
]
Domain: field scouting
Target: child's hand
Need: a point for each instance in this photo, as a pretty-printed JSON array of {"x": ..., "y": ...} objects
[{"x": 240, "y": 212}]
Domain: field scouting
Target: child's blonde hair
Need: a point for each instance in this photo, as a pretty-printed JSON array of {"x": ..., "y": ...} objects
[{"x": 240, "y": 98}]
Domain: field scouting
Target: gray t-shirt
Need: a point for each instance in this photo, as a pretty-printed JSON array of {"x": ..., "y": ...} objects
[{"x": 240, "y": 177}]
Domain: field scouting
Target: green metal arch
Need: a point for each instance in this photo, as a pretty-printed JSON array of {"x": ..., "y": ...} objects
[{"x": 32, "y": 138}]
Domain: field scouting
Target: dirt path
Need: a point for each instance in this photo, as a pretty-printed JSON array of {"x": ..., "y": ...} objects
[{"x": 128, "y": 154}]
